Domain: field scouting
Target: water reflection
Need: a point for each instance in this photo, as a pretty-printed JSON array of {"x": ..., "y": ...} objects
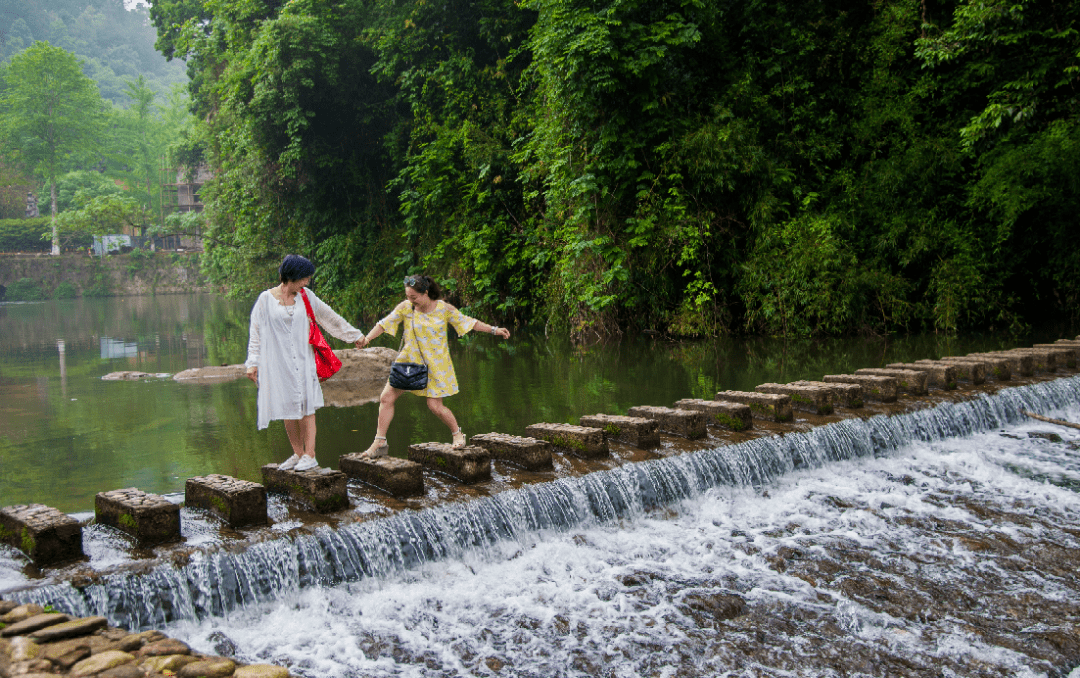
[{"x": 65, "y": 434}]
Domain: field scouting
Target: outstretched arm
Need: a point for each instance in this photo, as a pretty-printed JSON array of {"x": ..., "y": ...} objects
[{"x": 491, "y": 329}]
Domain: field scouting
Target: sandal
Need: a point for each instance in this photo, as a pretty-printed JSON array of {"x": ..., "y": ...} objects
[
  {"x": 376, "y": 450},
  {"x": 459, "y": 439}
]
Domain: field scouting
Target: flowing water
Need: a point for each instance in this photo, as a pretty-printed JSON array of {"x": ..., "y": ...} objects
[{"x": 940, "y": 542}]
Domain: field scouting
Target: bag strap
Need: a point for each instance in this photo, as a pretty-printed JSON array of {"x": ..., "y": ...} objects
[
  {"x": 418, "y": 348},
  {"x": 307, "y": 304}
]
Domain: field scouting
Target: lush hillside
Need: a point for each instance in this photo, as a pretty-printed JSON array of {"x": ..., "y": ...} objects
[
  {"x": 695, "y": 166},
  {"x": 116, "y": 44}
]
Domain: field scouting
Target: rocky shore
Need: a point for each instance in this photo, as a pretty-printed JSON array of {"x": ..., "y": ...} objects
[{"x": 38, "y": 643}]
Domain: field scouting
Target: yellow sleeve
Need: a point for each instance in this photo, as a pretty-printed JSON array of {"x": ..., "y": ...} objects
[
  {"x": 462, "y": 323},
  {"x": 391, "y": 322}
]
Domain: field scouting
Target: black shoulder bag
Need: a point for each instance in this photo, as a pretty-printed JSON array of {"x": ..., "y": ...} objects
[{"x": 409, "y": 376}]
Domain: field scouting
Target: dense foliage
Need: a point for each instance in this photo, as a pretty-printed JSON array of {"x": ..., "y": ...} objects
[
  {"x": 692, "y": 166},
  {"x": 114, "y": 44}
]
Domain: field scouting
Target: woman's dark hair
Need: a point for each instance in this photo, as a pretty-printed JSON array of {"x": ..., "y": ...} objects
[
  {"x": 424, "y": 283},
  {"x": 295, "y": 267}
]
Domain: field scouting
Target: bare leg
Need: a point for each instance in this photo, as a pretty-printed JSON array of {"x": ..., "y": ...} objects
[
  {"x": 292, "y": 429},
  {"x": 302, "y": 435},
  {"x": 447, "y": 417},
  {"x": 387, "y": 400}
]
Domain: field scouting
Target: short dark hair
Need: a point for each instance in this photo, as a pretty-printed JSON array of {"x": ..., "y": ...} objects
[
  {"x": 295, "y": 267},
  {"x": 424, "y": 283}
]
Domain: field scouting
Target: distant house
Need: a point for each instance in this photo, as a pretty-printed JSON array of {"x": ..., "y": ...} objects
[{"x": 187, "y": 187}]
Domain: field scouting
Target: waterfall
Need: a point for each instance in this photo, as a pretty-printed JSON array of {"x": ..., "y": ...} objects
[{"x": 214, "y": 582}]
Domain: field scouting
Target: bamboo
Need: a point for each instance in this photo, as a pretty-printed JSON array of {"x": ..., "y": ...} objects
[{"x": 1048, "y": 420}]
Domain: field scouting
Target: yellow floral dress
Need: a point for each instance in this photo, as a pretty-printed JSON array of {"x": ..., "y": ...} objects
[{"x": 425, "y": 342}]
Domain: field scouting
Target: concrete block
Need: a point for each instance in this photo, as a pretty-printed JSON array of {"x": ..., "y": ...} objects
[
  {"x": 237, "y": 502},
  {"x": 583, "y": 441},
  {"x": 1044, "y": 360},
  {"x": 998, "y": 368},
  {"x": 320, "y": 490},
  {"x": 635, "y": 431},
  {"x": 975, "y": 372},
  {"x": 469, "y": 464},
  {"x": 1019, "y": 364},
  {"x": 805, "y": 398},
  {"x": 733, "y": 416},
  {"x": 907, "y": 381},
  {"x": 774, "y": 406},
  {"x": 683, "y": 423},
  {"x": 41, "y": 532},
  {"x": 526, "y": 453},
  {"x": 1066, "y": 354},
  {"x": 880, "y": 389},
  {"x": 149, "y": 518},
  {"x": 395, "y": 476},
  {"x": 937, "y": 375},
  {"x": 845, "y": 394}
]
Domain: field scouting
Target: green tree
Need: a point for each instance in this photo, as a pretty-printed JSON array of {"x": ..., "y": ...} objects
[{"x": 52, "y": 115}]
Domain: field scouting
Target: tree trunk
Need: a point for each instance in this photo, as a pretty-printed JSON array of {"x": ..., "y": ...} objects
[{"x": 55, "y": 230}]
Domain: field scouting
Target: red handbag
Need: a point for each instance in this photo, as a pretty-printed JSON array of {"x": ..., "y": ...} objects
[{"x": 326, "y": 363}]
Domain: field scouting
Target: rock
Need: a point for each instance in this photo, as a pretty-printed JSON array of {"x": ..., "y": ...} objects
[
  {"x": 1046, "y": 435},
  {"x": 38, "y": 621},
  {"x": 168, "y": 662},
  {"x": 123, "y": 671},
  {"x": 212, "y": 667},
  {"x": 21, "y": 612},
  {"x": 66, "y": 653},
  {"x": 101, "y": 662},
  {"x": 7, "y": 606},
  {"x": 23, "y": 649},
  {"x": 126, "y": 375},
  {"x": 163, "y": 647},
  {"x": 720, "y": 606},
  {"x": 70, "y": 629},
  {"x": 261, "y": 671}
]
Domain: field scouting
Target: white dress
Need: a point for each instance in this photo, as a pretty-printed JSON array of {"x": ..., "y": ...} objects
[{"x": 278, "y": 345}]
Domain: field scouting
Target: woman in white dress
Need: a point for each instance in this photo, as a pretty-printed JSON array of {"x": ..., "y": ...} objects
[{"x": 281, "y": 362}]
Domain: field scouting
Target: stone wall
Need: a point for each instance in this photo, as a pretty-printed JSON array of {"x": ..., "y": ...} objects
[{"x": 135, "y": 273}]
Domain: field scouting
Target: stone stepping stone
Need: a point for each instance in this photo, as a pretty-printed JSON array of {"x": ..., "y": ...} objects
[
  {"x": 774, "y": 406},
  {"x": 101, "y": 662},
  {"x": 211, "y": 667},
  {"x": 582, "y": 441},
  {"x": 806, "y": 398},
  {"x": 880, "y": 389},
  {"x": 636, "y": 431},
  {"x": 908, "y": 381},
  {"x": 469, "y": 464},
  {"x": 527, "y": 453},
  {"x": 732, "y": 416},
  {"x": 35, "y": 623},
  {"x": 42, "y": 532},
  {"x": 321, "y": 490},
  {"x": 261, "y": 671},
  {"x": 975, "y": 372},
  {"x": 237, "y": 502},
  {"x": 845, "y": 394},
  {"x": 938, "y": 375},
  {"x": 395, "y": 476},
  {"x": 1066, "y": 352},
  {"x": 999, "y": 368},
  {"x": 149, "y": 518},
  {"x": 1045, "y": 360},
  {"x": 1019, "y": 364},
  {"x": 678, "y": 422},
  {"x": 69, "y": 629}
]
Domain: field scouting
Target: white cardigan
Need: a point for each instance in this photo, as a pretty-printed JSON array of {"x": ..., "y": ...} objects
[{"x": 278, "y": 345}]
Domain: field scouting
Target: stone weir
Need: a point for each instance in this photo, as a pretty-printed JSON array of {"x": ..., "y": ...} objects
[{"x": 390, "y": 494}]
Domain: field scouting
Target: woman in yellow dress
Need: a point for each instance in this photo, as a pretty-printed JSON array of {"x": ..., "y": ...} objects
[{"x": 424, "y": 318}]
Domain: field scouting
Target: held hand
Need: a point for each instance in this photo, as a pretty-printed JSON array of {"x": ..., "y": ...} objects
[
  {"x": 362, "y": 342},
  {"x": 253, "y": 374}
]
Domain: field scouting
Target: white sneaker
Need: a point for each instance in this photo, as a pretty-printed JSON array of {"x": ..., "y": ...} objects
[
  {"x": 306, "y": 464},
  {"x": 289, "y": 463}
]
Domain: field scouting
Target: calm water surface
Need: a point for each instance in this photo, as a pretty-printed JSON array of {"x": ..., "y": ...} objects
[{"x": 65, "y": 434}]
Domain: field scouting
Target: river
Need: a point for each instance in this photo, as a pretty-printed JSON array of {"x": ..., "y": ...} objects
[{"x": 939, "y": 542}]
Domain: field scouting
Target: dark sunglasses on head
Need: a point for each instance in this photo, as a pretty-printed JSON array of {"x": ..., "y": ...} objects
[{"x": 416, "y": 282}]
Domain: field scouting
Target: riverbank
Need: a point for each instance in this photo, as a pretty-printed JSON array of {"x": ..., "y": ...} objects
[{"x": 34, "y": 277}]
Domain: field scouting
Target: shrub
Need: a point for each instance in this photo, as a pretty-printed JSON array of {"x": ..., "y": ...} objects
[
  {"x": 65, "y": 290},
  {"x": 24, "y": 289},
  {"x": 24, "y": 235}
]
